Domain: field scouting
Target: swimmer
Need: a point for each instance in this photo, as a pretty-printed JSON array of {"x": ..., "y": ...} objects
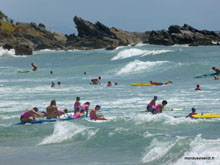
[
  {"x": 217, "y": 70},
  {"x": 198, "y": 87},
  {"x": 78, "y": 113},
  {"x": 52, "y": 84},
  {"x": 59, "y": 83},
  {"x": 85, "y": 107},
  {"x": 85, "y": 73},
  {"x": 96, "y": 80},
  {"x": 94, "y": 116},
  {"x": 28, "y": 114},
  {"x": 151, "y": 104},
  {"x": 34, "y": 66},
  {"x": 52, "y": 110},
  {"x": 193, "y": 113},
  {"x": 116, "y": 83},
  {"x": 109, "y": 84},
  {"x": 77, "y": 103},
  {"x": 159, "y": 107},
  {"x": 51, "y": 72},
  {"x": 159, "y": 83}
]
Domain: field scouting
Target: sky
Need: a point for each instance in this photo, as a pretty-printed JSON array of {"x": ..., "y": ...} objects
[{"x": 129, "y": 15}]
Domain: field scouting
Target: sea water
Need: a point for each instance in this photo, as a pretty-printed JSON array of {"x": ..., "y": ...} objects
[{"x": 132, "y": 137}]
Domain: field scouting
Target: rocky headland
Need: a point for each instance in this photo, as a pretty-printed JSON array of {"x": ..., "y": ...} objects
[{"x": 27, "y": 37}]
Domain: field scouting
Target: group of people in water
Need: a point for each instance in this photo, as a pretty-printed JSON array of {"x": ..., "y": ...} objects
[
  {"x": 52, "y": 111},
  {"x": 96, "y": 81},
  {"x": 158, "y": 108},
  {"x": 83, "y": 110}
]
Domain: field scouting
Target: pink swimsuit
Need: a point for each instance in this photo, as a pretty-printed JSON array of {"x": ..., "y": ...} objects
[
  {"x": 76, "y": 105},
  {"x": 91, "y": 115},
  {"x": 77, "y": 115},
  {"x": 60, "y": 112},
  {"x": 157, "y": 107},
  {"x": 27, "y": 114},
  {"x": 151, "y": 104}
]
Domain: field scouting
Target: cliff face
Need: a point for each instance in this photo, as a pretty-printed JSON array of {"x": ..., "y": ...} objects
[
  {"x": 26, "y": 37},
  {"x": 99, "y": 36},
  {"x": 184, "y": 35}
]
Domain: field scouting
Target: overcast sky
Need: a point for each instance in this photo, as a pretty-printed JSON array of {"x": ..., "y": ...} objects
[{"x": 130, "y": 15}]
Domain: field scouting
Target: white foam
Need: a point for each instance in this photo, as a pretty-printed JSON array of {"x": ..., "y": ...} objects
[
  {"x": 162, "y": 118},
  {"x": 63, "y": 131},
  {"x": 202, "y": 148},
  {"x": 132, "y": 52},
  {"x": 137, "y": 66},
  {"x": 156, "y": 150},
  {"x": 10, "y": 52}
]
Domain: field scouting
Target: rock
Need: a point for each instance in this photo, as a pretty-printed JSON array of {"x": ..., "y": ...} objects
[{"x": 23, "y": 49}]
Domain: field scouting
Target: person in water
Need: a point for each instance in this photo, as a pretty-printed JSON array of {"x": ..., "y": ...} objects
[
  {"x": 96, "y": 80},
  {"x": 30, "y": 115},
  {"x": 59, "y": 83},
  {"x": 217, "y": 70},
  {"x": 85, "y": 107},
  {"x": 116, "y": 83},
  {"x": 216, "y": 78},
  {"x": 85, "y": 73},
  {"x": 78, "y": 113},
  {"x": 159, "y": 107},
  {"x": 198, "y": 87},
  {"x": 51, "y": 72},
  {"x": 61, "y": 112},
  {"x": 52, "y": 84},
  {"x": 94, "y": 116},
  {"x": 109, "y": 84},
  {"x": 77, "y": 103},
  {"x": 160, "y": 83},
  {"x": 52, "y": 110},
  {"x": 151, "y": 104},
  {"x": 193, "y": 113},
  {"x": 34, "y": 66}
]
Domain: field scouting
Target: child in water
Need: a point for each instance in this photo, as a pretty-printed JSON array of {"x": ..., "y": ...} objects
[
  {"x": 77, "y": 114},
  {"x": 94, "y": 116},
  {"x": 30, "y": 115},
  {"x": 193, "y": 113},
  {"x": 151, "y": 104},
  {"x": 77, "y": 103},
  {"x": 198, "y": 87},
  {"x": 159, "y": 107}
]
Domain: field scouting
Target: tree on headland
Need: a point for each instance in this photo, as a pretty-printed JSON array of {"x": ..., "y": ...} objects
[{"x": 3, "y": 16}]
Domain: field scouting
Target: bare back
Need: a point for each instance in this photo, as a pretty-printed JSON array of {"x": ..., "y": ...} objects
[{"x": 52, "y": 111}]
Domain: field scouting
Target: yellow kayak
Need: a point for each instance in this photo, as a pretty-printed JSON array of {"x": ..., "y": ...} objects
[
  {"x": 207, "y": 115},
  {"x": 144, "y": 85}
]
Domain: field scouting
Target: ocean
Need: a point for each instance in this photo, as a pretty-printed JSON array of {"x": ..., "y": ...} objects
[{"x": 131, "y": 137}]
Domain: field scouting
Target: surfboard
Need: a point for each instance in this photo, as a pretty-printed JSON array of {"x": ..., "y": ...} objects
[
  {"x": 99, "y": 121},
  {"x": 144, "y": 85},
  {"x": 44, "y": 121},
  {"x": 207, "y": 115},
  {"x": 173, "y": 109},
  {"x": 206, "y": 75},
  {"x": 24, "y": 71},
  {"x": 69, "y": 115}
]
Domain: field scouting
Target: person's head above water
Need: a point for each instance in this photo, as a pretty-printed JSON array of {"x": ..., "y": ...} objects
[
  {"x": 53, "y": 102},
  {"x": 35, "y": 108},
  {"x": 193, "y": 109},
  {"x": 99, "y": 78},
  {"x": 155, "y": 97},
  {"x": 97, "y": 107},
  {"x": 164, "y": 102},
  {"x": 77, "y": 98}
]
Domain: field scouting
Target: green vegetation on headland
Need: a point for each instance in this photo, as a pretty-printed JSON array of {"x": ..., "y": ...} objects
[{"x": 26, "y": 37}]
